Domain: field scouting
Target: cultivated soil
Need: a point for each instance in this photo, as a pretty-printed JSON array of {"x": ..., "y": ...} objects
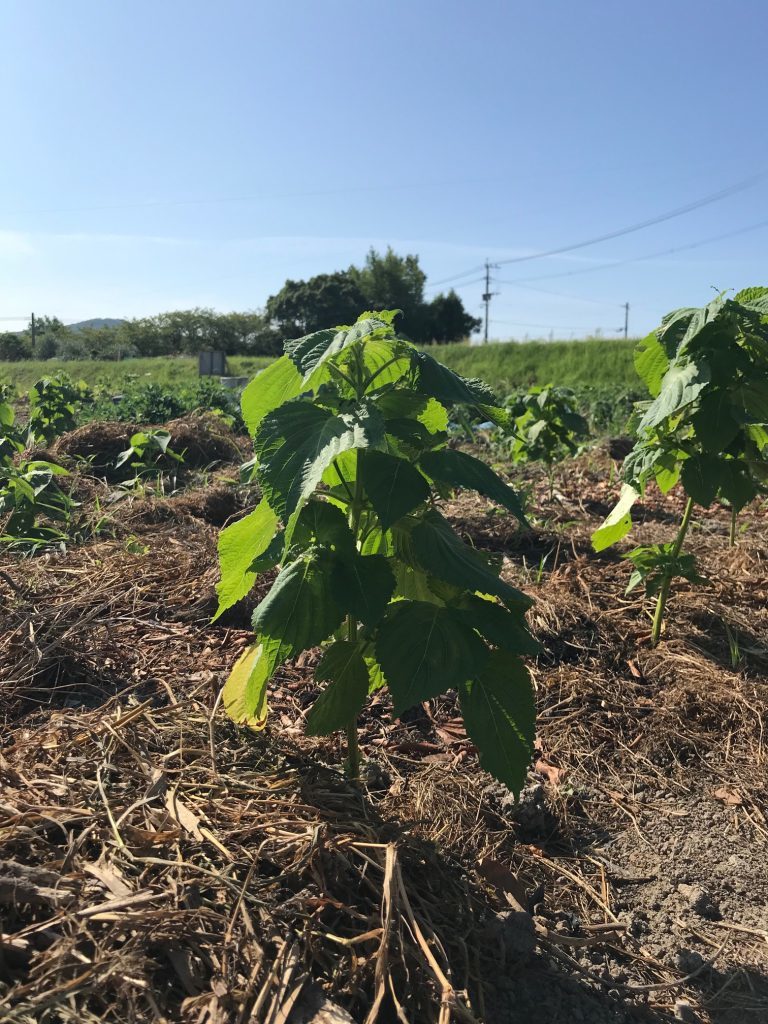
[{"x": 159, "y": 864}]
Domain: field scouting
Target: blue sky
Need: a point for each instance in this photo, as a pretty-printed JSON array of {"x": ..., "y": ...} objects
[{"x": 174, "y": 153}]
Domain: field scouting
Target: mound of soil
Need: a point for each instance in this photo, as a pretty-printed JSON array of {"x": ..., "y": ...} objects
[
  {"x": 204, "y": 439},
  {"x": 97, "y": 444}
]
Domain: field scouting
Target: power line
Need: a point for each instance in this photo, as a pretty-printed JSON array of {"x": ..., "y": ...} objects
[
  {"x": 669, "y": 215},
  {"x": 648, "y": 256},
  {"x": 677, "y": 212},
  {"x": 559, "y": 295},
  {"x": 456, "y": 277}
]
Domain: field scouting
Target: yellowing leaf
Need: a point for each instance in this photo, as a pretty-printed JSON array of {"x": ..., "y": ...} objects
[{"x": 245, "y": 691}]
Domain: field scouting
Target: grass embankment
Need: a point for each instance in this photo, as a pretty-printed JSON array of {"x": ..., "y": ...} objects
[
  {"x": 504, "y": 365},
  {"x": 176, "y": 371},
  {"x": 512, "y": 364}
]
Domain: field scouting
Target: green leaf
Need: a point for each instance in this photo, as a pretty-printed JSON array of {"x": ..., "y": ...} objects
[
  {"x": 270, "y": 388},
  {"x": 618, "y": 524},
  {"x": 363, "y": 586},
  {"x": 751, "y": 399},
  {"x": 457, "y": 469},
  {"x": 320, "y": 522},
  {"x": 438, "y": 381},
  {"x": 736, "y": 485},
  {"x": 393, "y": 486},
  {"x": 651, "y": 362},
  {"x": 436, "y": 548},
  {"x": 386, "y": 360},
  {"x": 714, "y": 422},
  {"x": 245, "y": 692},
  {"x": 239, "y": 546},
  {"x": 700, "y": 476},
  {"x": 306, "y": 352},
  {"x": 296, "y": 443},
  {"x": 300, "y": 611},
  {"x": 413, "y": 584},
  {"x": 499, "y": 626},
  {"x": 681, "y": 386},
  {"x": 500, "y": 715},
  {"x": 341, "y": 701},
  {"x": 423, "y": 650}
]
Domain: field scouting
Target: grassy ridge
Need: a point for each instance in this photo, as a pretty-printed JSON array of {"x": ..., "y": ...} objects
[
  {"x": 513, "y": 364},
  {"x": 504, "y": 365},
  {"x": 178, "y": 371}
]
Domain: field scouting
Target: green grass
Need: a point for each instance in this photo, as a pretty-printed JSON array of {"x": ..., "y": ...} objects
[
  {"x": 514, "y": 364},
  {"x": 504, "y": 365},
  {"x": 179, "y": 371}
]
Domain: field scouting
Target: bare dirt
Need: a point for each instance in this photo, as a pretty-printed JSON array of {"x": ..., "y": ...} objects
[{"x": 156, "y": 863}]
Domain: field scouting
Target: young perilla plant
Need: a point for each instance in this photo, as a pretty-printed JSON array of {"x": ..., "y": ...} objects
[
  {"x": 547, "y": 428},
  {"x": 705, "y": 427},
  {"x": 351, "y": 455}
]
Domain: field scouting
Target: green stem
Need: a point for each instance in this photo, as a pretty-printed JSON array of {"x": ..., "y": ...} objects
[
  {"x": 732, "y": 533},
  {"x": 664, "y": 592},
  {"x": 355, "y": 512}
]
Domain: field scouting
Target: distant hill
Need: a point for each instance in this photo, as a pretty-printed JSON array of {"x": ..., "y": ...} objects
[{"x": 104, "y": 321}]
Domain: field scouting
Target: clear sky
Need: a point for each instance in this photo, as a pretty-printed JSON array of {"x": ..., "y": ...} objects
[{"x": 179, "y": 153}]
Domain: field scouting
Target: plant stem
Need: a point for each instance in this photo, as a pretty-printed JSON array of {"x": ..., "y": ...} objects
[
  {"x": 355, "y": 511},
  {"x": 732, "y": 534},
  {"x": 664, "y": 592}
]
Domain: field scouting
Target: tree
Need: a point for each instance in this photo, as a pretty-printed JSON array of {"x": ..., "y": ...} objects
[
  {"x": 14, "y": 347},
  {"x": 447, "y": 320},
  {"x": 394, "y": 282},
  {"x": 301, "y": 307}
]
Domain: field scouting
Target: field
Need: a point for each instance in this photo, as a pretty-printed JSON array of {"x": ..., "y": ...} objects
[
  {"x": 508, "y": 364},
  {"x": 158, "y": 863}
]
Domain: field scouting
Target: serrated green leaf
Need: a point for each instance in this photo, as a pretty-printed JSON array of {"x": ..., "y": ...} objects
[
  {"x": 619, "y": 522},
  {"x": 651, "y": 362},
  {"x": 457, "y": 469},
  {"x": 736, "y": 485},
  {"x": 393, "y": 486},
  {"x": 700, "y": 476},
  {"x": 363, "y": 586},
  {"x": 306, "y": 352},
  {"x": 714, "y": 422},
  {"x": 443, "y": 384},
  {"x": 296, "y": 444},
  {"x": 500, "y": 715},
  {"x": 245, "y": 692},
  {"x": 386, "y": 361},
  {"x": 320, "y": 522},
  {"x": 681, "y": 386},
  {"x": 341, "y": 701},
  {"x": 498, "y": 625},
  {"x": 300, "y": 611},
  {"x": 436, "y": 548},
  {"x": 277, "y": 383},
  {"x": 423, "y": 650},
  {"x": 239, "y": 546},
  {"x": 751, "y": 401}
]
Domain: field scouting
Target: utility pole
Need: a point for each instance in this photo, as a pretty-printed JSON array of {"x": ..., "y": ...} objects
[
  {"x": 32, "y": 325},
  {"x": 488, "y": 295},
  {"x": 626, "y": 320}
]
